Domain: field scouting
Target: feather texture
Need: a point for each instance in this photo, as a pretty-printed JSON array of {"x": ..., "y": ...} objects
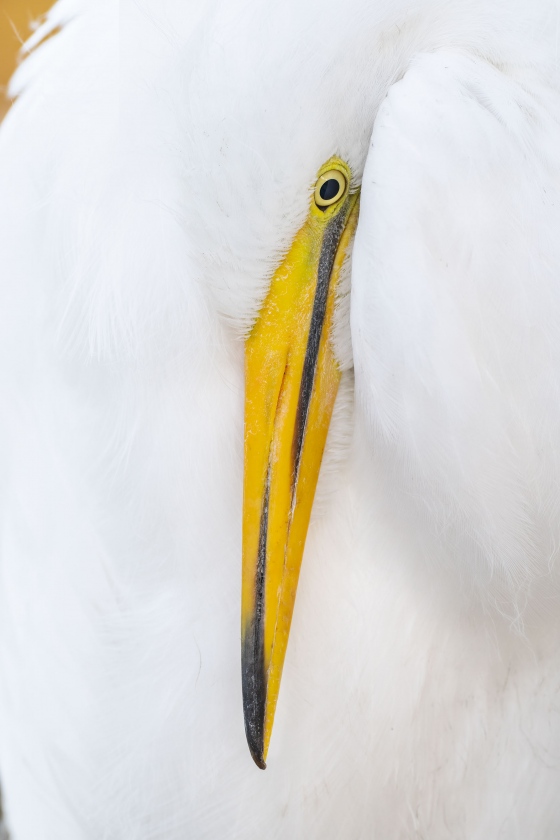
[{"x": 155, "y": 167}]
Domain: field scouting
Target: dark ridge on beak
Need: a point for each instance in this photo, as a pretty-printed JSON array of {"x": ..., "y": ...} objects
[
  {"x": 253, "y": 674},
  {"x": 329, "y": 247}
]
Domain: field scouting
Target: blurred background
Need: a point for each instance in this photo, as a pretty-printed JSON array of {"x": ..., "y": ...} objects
[{"x": 16, "y": 17}]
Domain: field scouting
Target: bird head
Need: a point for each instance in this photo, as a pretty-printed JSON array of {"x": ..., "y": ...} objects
[
  {"x": 287, "y": 120},
  {"x": 281, "y": 107}
]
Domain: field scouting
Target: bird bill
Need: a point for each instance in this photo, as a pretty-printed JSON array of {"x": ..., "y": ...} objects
[{"x": 291, "y": 382}]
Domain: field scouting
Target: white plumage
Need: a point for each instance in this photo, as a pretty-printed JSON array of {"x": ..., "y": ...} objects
[{"x": 154, "y": 169}]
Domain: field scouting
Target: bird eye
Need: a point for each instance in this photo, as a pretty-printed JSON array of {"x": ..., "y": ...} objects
[{"x": 331, "y": 186}]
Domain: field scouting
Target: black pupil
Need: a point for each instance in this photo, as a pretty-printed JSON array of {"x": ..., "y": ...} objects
[{"x": 330, "y": 189}]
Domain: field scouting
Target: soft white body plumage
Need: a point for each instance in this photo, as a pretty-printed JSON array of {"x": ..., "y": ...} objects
[{"x": 153, "y": 171}]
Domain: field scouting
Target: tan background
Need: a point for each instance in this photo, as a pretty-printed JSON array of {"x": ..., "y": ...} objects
[{"x": 15, "y": 19}]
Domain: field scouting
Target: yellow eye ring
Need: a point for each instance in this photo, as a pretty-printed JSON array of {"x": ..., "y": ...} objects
[{"x": 330, "y": 188}]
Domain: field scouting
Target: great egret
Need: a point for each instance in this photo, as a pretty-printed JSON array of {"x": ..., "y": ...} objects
[{"x": 179, "y": 187}]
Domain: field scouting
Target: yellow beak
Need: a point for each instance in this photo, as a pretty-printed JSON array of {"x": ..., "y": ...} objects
[{"x": 291, "y": 382}]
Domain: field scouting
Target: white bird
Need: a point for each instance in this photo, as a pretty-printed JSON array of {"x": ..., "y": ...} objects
[{"x": 179, "y": 184}]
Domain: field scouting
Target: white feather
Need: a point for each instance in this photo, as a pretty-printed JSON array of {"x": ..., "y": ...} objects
[{"x": 154, "y": 168}]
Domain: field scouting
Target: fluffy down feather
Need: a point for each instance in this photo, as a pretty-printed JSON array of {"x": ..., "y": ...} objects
[{"x": 154, "y": 168}]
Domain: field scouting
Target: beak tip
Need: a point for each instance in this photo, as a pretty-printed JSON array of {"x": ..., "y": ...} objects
[
  {"x": 255, "y": 744},
  {"x": 254, "y": 682},
  {"x": 258, "y": 759}
]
